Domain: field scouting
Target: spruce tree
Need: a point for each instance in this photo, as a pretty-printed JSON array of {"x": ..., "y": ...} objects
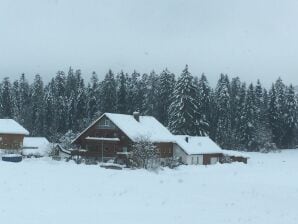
[
  {"x": 6, "y": 104},
  {"x": 122, "y": 93},
  {"x": 248, "y": 122},
  {"x": 93, "y": 98},
  {"x": 108, "y": 93},
  {"x": 204, "y": 102},
  {"x": 151, "y": 95},
  {"x": 165, "y": 91},
  {"x": 37, "y": 107},
  {"x": 223, "y": 112},
  {"x": 184, "y": 117},
  {"x": 290, "y": 118},
  {"x": 25, "y": 101}
]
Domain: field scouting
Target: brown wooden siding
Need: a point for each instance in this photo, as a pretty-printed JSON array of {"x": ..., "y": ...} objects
[
  {"x": 11, "y": 141},
  {"x": 207, "y": 157},
  {"x": 108, "y": 148},
  {"x": 165, "y": 149}
]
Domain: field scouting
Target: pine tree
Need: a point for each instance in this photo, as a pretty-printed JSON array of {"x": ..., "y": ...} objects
[
  {"x": 60, "y": 104},
  {"x": 25, "y": 101},
  {"x": 248, "y": 122},
  {"x": 93, "y": 98},
  {"x": 132, "y": 93},
  {"x": 165, "y": 91},
  {"x": 184, "y": 117},
  {"x": 142, "y": 92},
  {"x": 151, "y": 95},
  {"x": 277, "y": 112},
  {"x": 49, "y": 110},
  {"x": 6, "y": 104},
  {"x": 204, "y": 102},
  {"x": 273, "y": 114},
  {"x": 122, "y": 93},
  {"x": 290, "y": 118},
  {"x": 16, "y": 100},
  {"x": 238, "y": 96},
  {"x": 108, "y": 93},
  {"x": 223, "y": 110},
  {"x": 37, "y": 107}
]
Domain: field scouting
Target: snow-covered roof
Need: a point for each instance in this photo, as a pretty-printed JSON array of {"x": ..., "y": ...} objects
[
  {"x": 10, "y": 126},
  {"x": 35, "y": 146},
  {"x": 197, "y": 144},
  {"x": 202, "y": 145},
  {"x": 147, "y": 126}
]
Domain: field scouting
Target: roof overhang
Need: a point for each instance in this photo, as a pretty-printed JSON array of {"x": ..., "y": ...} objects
[{"x": 102, "y": 139}]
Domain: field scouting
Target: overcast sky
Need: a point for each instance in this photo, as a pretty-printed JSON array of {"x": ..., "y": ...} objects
[{"x": 251, "y": 39}]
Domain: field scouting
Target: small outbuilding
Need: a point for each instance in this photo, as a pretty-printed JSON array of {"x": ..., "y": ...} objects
[
  {"x": 36, "y": 146},
  {"x": 202, "y": 150},
  {"x": 11, "y": 134}
]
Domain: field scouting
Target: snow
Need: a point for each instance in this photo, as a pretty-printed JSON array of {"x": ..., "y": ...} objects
[
  {"x": 38, "y": 146},
  {"x": 197, "y": 144},
  {"x": 10, "y": 126},
  {"x": 46, "y": 191},
  {"x": 103, "y": 139},
  {"x": 147, "y": 127},
  {"x": 11, "y": 155}
]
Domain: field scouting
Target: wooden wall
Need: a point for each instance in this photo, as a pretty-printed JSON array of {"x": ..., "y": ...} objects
[{"x": 11, "y": 141}]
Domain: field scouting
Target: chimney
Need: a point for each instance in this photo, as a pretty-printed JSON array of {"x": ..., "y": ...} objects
[
  {"x": 136, "y": 116},
  {"x": 186, "y": 138}
]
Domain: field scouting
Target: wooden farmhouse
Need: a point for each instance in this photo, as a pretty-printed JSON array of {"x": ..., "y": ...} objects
[
  {"x": 113, "y": 134},
  {"x": 11, "y": 134}
]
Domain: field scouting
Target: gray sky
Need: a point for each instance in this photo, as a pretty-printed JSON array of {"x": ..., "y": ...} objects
[{"x": 252, "y": 39}]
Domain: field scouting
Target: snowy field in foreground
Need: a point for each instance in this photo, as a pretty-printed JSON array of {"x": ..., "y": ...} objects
[{"x": 46, "y": 191}]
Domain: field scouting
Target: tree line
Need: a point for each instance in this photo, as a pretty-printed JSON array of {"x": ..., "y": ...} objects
[{"x": 235, "y": 114}]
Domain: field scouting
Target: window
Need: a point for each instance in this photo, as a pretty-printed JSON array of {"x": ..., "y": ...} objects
[
  {"x": 0, "y": 139},
  {"x": 105, "y": 123}
]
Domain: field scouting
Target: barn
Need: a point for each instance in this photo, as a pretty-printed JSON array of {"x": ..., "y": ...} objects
[
  {"x": 11, "y": 134},
  {"x": 201, "y": 150}
]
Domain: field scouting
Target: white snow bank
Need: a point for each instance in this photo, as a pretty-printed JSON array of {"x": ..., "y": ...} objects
[
  {"x": 37, "y": 146},
  {"x": 10, "y": 126}
]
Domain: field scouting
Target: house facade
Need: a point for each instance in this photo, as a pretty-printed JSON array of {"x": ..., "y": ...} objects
[
  {"x": 11, "y": 134},
  {"x": 112, "y": 134}
]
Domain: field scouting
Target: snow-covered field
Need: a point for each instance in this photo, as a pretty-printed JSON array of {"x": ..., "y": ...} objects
[{"x": 46, "y": 191}]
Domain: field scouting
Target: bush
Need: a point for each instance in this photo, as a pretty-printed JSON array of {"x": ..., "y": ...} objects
[{"x": 145, "y": 154}]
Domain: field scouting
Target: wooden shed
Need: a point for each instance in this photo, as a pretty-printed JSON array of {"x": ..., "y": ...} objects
[
  {"x": 201, "y": 150},
  {"x": 11, "y": 134}
]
